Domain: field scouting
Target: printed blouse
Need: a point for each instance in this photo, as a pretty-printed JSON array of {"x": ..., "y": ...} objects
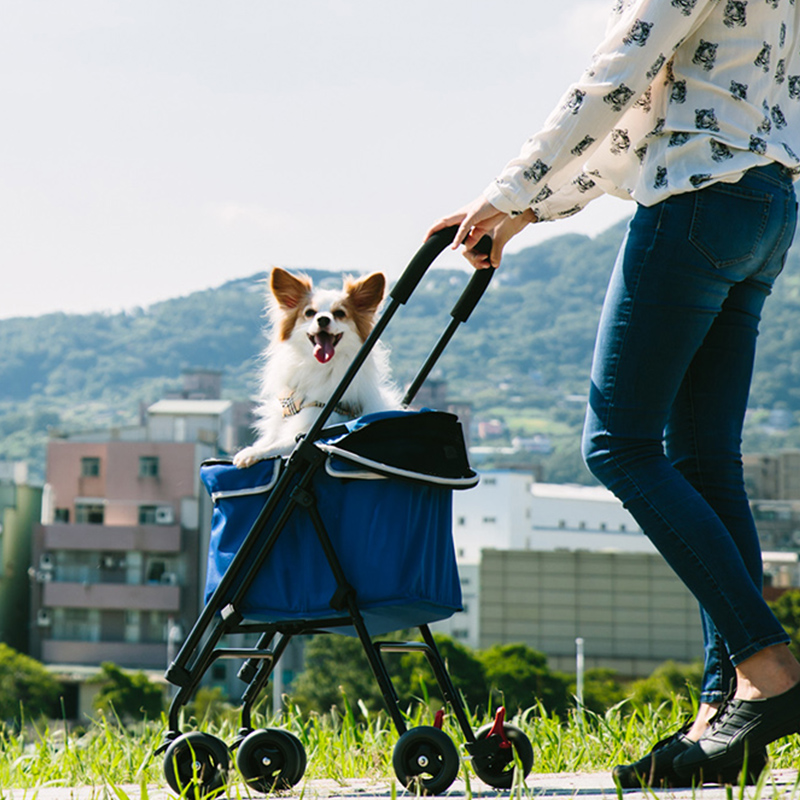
[{"x": 680, "y": 94}]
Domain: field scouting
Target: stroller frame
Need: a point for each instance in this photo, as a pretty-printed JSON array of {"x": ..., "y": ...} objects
[{"x": 424, "y": 758}]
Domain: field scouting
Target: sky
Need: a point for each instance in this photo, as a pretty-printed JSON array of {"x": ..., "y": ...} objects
[{"x": 152, "y": 148}]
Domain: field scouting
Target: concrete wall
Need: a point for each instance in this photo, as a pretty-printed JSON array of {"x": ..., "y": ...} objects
[{"x": 632, "y": 612}]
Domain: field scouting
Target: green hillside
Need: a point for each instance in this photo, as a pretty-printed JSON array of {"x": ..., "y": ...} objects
[{"x": 523, "y": 358}]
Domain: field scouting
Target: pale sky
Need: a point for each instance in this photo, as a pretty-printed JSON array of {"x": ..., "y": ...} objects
[{"x": 151, "y": 148}]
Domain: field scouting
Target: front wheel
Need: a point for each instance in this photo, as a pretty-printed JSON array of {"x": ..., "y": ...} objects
[
  {"x": 196, "y": 762},
  {"x": 425, "y": 760},
  {"x": 271, "y": 759}
]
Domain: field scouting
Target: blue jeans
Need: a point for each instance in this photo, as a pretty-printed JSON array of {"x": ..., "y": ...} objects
[{"x": 671, "y": 376}]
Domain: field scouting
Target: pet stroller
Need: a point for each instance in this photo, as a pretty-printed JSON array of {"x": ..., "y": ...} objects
[{"x": 351, "y": 534}]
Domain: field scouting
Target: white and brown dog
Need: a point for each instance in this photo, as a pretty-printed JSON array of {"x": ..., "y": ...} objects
[{"x": 315, "y": 335}]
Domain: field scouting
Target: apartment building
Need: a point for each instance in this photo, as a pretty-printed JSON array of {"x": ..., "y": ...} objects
[
  {"x": 117, "y": 558},
  {"x": 118, "y": 561}
]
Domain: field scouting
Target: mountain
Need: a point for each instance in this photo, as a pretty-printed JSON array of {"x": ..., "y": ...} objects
[{"x": 523, "y": 357}]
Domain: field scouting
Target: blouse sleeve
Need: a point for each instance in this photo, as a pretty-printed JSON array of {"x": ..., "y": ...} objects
[{"x": 547, "y": 174}]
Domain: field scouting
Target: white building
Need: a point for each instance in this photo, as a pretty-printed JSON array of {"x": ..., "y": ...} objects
[{"x": 508, "y": 510}]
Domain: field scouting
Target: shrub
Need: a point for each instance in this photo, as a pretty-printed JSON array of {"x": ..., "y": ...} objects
[
  {"x": 130, "y": 695},
  {"x": 26, "y": 684}
]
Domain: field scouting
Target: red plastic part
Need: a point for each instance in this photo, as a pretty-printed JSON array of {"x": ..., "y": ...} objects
[
  {"x": 438, "y": 720},
  {"x": 498, "y": 728}
]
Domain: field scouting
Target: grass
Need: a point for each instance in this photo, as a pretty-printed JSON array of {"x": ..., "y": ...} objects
[{"x": 340, "y": 746}]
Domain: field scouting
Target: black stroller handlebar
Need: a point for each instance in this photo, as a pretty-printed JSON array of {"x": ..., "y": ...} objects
[
  {"x": 474, "y": 290},
  {"x": 426, "y": 255},
  {"x": 462, "y": 309}
]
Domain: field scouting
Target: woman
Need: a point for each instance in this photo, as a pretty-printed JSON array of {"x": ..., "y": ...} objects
[{"x": 692, "y": 109}]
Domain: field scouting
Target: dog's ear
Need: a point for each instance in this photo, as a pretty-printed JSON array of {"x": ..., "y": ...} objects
[
  {"x": 287, "y": 289},
  {"x": 366, "y": 293}
]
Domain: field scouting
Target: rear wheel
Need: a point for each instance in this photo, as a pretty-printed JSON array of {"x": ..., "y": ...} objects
[{"x": 498, "y": 770}]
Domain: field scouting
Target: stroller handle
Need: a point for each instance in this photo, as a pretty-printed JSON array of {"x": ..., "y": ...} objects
[
  {"x": 474, "y": 290},
  {"x": 425, "y": 256}
]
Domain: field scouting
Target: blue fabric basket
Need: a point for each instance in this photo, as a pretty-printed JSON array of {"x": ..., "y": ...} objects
[{"x": 390, "y": 525}]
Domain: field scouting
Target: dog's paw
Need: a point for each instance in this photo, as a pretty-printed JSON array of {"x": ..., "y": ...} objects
[{"x": 247, "y": 457}]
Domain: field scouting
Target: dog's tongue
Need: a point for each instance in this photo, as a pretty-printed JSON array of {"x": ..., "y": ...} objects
[{"x": 323, "y": 347}]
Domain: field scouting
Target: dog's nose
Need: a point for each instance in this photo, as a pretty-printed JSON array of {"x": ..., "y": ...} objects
[{"x": 323, "y": 320}]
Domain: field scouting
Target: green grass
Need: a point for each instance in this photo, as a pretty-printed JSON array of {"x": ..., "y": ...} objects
[{"x": 340, "y": 746}]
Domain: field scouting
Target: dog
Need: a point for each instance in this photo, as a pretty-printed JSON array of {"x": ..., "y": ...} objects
[{"x": 315, "y": 335}]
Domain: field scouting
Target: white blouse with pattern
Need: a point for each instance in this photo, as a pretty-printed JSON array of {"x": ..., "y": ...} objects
[{"x": 680, "y": 94}]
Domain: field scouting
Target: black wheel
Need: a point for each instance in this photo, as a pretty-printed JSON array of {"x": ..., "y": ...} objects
[
  {"x": 301, "y": 751},
  {"x": 498, "y": 770},
  {"x": 425, "y": 760},
  {"x": 271, "y": 759},
  {"x": 196, "y": 760}
]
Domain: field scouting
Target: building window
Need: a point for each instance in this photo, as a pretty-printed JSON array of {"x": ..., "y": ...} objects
[
  {"x": 93, "y": 513},
  {"x": 461, "y": 521},
  {"x": 154, "y": 627},
  {"x": 148, "y": 466},
  {"x": 489, "y": 520},
  {"x": 76, "y": 624},
  {"x": 147, "y": 515},
  {"x": 61, "y": 515},
  {"x": 90, "y": 467}
]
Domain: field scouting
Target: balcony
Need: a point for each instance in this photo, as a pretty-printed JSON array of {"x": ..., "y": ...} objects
[
  {"x": 112, "y": 596},
  {"x": 125, "y": 654},
  {"x": 145, "y": 538}
]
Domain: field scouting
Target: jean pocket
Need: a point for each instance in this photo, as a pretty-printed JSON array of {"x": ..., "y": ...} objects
[{"x": 728, "y": 223}]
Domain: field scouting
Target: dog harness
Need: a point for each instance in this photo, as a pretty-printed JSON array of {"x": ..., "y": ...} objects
[{"x": 291, "y": 405}]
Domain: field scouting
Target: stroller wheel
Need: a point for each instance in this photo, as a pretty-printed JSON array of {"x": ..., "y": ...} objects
[
  {"x": 498, "y": 770},
  {"x": 425, "y": 760},
  {"x": 271, "y": 759},
  {"x": 196, "y": 760}
]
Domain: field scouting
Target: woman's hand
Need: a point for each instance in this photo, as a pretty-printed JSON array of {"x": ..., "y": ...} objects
[
  {"x": 473, "y": 220},
  {"x": 501, "y": 234}
]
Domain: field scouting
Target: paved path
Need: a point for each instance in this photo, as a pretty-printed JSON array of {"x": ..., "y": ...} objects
[{"x": 782, "y": 785}]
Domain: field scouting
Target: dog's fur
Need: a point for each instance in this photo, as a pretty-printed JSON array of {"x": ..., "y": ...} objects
[{"x": 315, "y": 334}]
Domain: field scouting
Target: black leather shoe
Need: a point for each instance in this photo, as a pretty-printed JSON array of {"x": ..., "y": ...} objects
[
  {"x": 656, "y": 768},
  {"x": 740, "y": 727}
]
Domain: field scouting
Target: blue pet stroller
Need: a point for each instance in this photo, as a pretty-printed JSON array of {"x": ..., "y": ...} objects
[{"x": 351, "y": 534}]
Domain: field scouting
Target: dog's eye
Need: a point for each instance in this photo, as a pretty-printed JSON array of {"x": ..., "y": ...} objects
[
  {"x": 309, "y": 312},
  {"x": 339, "y": 313}
]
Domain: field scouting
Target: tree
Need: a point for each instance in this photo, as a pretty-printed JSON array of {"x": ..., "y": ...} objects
[
  {"x": 26, "y": 686},
  {"x": 131, "y": 695},
  {"x": 335, "y": 665},
  {"x": 787, "y": 609},
  {"x": 601, "y": 689},
  {"x": 670, "y": 681},
  {"x": 519, "y": 676}
]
